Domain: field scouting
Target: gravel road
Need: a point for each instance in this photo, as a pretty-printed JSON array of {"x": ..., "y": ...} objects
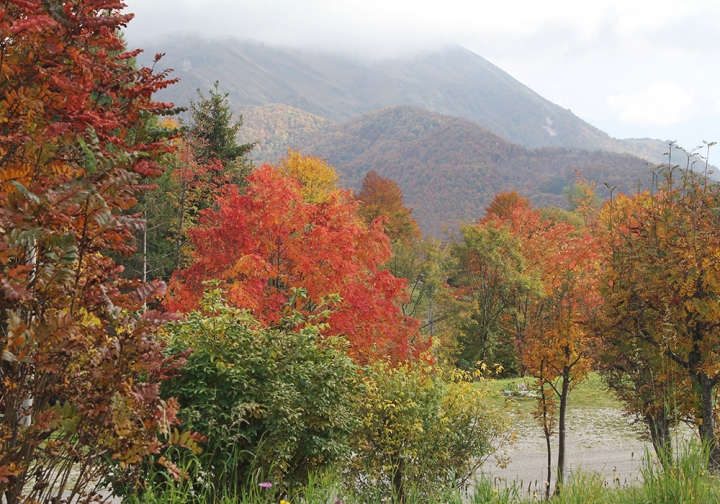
[{"x": 602, "y": 441}]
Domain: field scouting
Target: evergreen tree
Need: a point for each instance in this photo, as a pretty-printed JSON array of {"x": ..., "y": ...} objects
[
  {"x": 208, "y": 162},
  {"x": 215, "y": 137}
]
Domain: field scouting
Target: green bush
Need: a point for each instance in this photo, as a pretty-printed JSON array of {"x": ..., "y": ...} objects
[
  {"x": 420, "y": 434},
  {"x": 273, "y": 402}
]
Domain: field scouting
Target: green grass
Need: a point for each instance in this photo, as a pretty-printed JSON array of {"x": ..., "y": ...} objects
[{"x": 590, "y": 393}]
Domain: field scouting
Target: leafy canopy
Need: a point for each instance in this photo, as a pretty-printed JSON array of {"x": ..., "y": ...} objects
[
  {"x": 661, "y": 283},
  {"x": 265, "y": 243},
  {"x": 382, "y": 197}
]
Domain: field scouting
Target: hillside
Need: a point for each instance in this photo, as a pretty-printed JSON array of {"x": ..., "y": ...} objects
[
  {"x": 454, "y": 81},
  {"x": 449, "y": 168},
  {"x": 275, "y": 127}
]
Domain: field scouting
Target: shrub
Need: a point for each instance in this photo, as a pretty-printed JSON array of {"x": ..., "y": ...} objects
[
  {"x": 271, "y": 401},
  {"x": 421, "y": 432}
]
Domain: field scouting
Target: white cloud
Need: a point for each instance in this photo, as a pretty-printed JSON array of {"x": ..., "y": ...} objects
[
  {"x": 575, "y": 53},
  {"x": 372, "y": 26},
  {"x": 661, "y": 104}
]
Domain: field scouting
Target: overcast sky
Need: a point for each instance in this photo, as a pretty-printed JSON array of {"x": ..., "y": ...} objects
[{"x": 634, "y": 68}]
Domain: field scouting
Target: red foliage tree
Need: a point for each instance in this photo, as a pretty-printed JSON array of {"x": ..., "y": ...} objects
[
  {"x": 80, "y": 368},
  {"x": 267, "y": 242}
]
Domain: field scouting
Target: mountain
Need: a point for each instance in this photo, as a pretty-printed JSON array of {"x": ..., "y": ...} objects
[
  {"x": 454, "y": 81},
  {"x": 449, "y": 168}
]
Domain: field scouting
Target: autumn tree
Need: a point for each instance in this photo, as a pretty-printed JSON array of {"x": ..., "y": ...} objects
[
  {"x": 525, "y": 281},
  {"x": 80, "y": 367},
  {"x": 636, "y": 370},
  {"x": 266, "y": 243},
  {"x": 489, "y": 277},
  {"x": 557, "y": 343},
  {"x": 552, "y": 326},
  {"x": 504, "y": 203},
  {"x": 317, "y": 179},
  {"x": 382, "y": 197},
  {"x": 421, "y": 261},
  {"x": 662, "y": 300}
]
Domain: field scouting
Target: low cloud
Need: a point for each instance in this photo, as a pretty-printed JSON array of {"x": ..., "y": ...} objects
[
  {"x": 661, "y": 104},
  {"x": 574, "y": 53}
]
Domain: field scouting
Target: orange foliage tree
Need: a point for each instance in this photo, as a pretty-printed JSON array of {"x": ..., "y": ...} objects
[
  {"x": 383, "y": 197},
  {"x": 633, "y": 324},
  {"x": 264, "y": 245},
  {"x": 80, "y": 367},
  {"x": 662, "y": 291},
  {"x": 504, "y": 203}
]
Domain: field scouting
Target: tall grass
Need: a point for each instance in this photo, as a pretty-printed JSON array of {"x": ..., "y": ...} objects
[{"x": 683, "y": 480}]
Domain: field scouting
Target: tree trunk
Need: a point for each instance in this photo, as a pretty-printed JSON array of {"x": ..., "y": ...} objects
[
  {"x": 397, "y": 482},
  {"x": 659, "y": 426},
  {"x": 549, "y": 465},
  {"x": 561, "y": 430},
  {"x": 547, "y": 431},
  {"x": 707, "y": 425}
]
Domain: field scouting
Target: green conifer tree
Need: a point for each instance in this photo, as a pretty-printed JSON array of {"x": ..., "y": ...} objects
[{"x": 215, "y": 136}]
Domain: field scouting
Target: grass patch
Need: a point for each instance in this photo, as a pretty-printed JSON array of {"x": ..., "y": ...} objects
[{"x": 589, "y": 394}]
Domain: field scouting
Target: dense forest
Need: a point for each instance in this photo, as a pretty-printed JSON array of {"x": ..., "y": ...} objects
[{"x": 179, "y": 325}]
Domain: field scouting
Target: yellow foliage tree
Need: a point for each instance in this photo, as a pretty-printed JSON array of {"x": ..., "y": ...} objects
[{"x": 318, "y": 178}]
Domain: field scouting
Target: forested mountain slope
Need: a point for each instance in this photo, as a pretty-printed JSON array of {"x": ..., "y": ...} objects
[
  {"x": 454, "y": 81},
  {"x": 449, "y": 168}
]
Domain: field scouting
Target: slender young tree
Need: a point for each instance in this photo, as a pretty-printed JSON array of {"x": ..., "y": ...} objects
[{"x": 554, "y": 341}]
